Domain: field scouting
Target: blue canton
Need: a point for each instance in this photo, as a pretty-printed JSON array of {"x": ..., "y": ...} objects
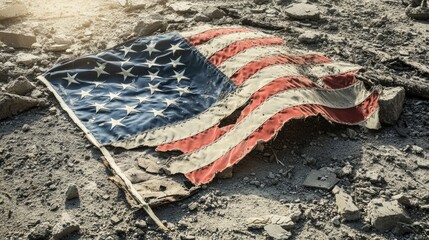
[{"x": 141, "y": 85}]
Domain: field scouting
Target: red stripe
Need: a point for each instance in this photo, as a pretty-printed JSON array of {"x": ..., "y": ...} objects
[
  {"x": 338, "y": 81},
  {"x": 205, "y": 138},
  {"x": 253, "y": 67},
  {"x": 219, "y": 57},
  {"x": 273, "y": 125},
  {"x": 206, "y": 36}
]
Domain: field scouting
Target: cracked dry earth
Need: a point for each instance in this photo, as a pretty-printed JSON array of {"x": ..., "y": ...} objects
[{"x": 42, "y": 152}]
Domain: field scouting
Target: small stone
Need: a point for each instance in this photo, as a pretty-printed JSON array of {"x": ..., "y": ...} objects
[
  {"x": 311, "y": 37},
  {"x": 225, "y": 174},
  {"x": 402, "y": 199},
  {"x": 374, "y": 176},
  {"x": 277, "y": 232},
  {"x": 141, "y": 224},
  {"x": 346, "y": 207},
  {"x": 20, "y": 86},
  {"x": 259, "y": 222},
  {"x": 72, "y": 192},
  {"x": 199, "y": 17},
  {"x": 58, "y": 47},
  {"x": 115, "y": 219},
  {"x": 385, "y": 215},
  {"x": 41, "y": 231},
  {"x": 391, "y": 102},
  {"x": 63, "y": 39},
  {"x": 336, "y": 221},
  {"x": 26, "y": 128},
  {"x": 182, "y": 7},
  {"x": 150, "y": 25},
  {"x": 416, "y": 149},
  {"x": 26, "y": 58},
  {"x": 65, "y": 226},
  {"x": 12, "y": 104},
  {"x": 214, "y": 13},
  {"x": 260, "y": 2},
  {"x": 321, "y": 179},
  {"x": 193, "y": 206},
  {"x": 303, "y": 11}
]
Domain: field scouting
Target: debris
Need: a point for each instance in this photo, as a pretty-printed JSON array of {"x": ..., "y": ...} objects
[
  {"x": 321, "y": 179},
  {"x": 144, "y": 4},
  {"x": 12, "y": 10},
  {"x": 385, "y": 215},
  {"x": 346, "y": 208},
  {"x": 17, "y": 40},
  {"x": 20, "y": 86},
  {"x": 26, "y": 128},
  {"x": 26, "y": 58},
  {"x": 227, "y": 173},
  {"x": 303, "y": 11},
  {"x": 420, "y": 12},
  {"x": 374, "y": 177},
  {"x": 141, "y": 224},
  {"x": 199, "y": 17},
  {"x": 254, "y": 22},
  {"x": 149, "y": 26},
  {"x": 260, "y": 2},
  {"x": 12, "y": 104},
  {"x": 41, "y": 231},
  {"x": 391, "y": 103},
  {"x": 192, "y": 206},
  {"x": 58, "y": 47},
  {"x": 402, "y": 199},
  {"x": 115, "y": 219},
  {"x": 423, "y": 163},
  {"x": 72, "y": 192},
  {"x": 182, "y": 7},
  {"x": 277, "y": 232},
  {"x": 336, "y": 221},
  {"x": 311, "y": 37},
  {"x": 65, "y": 226},
  {"x": 214, "y": 13},
  {"x": 416, "y": 149},
  {"x": 259, "y": 222}
]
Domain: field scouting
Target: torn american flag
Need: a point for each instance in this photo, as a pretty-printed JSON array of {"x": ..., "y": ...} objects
[{"x": 171, "y": 92}]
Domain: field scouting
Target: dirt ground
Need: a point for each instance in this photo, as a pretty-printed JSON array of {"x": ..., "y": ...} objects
[{"x": 42, "y": 152}]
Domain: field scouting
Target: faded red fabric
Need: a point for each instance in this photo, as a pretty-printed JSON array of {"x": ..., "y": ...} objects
[
  {"x": 339, "y": 81},
  {"x": 206, "y": 36}
]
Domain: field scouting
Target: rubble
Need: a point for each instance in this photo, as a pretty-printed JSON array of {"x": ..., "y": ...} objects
[
  {"x": 391, "y": 103},
  {"x": 259, "y": 222},
  {"x": 20, "y": 86},
  {"x": 346, "y": 207},
  {"x": 40, "y": 232},
  {"x": 227, "y": 173},
  {"x": 12, "y": 10},
  {"x": 148, "y": 26},
  {"x": 26, "y": 58},
  {"x": 303, "y": 11},
  {"x": 385, "y": 215},
  {"x": 12, "y": 104},
  {"x": 72, "y": 192},
  {"x": 321, "y": 179},
  {"x": 311, "y": 37},
  {"x": 277, "y": 232},
  {"x": 65, "y": 226},
  {"x": 17, "y": 40}
]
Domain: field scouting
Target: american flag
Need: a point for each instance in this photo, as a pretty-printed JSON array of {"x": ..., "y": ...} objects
[{"x": 171, "y": 92}]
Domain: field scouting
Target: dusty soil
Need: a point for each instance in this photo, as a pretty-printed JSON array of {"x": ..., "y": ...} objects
[{"x": 42, "y": 152}]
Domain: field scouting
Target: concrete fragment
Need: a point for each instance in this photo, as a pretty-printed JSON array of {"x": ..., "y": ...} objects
[
  {"x": 391, "y": 102},
  {"x": 183, "y": 7},
  {"x": 277, "y": 232},
  {"x": 20, "y": 86},
  {"x": 199, "y": 17},
  {"x": 227, "y": 173},
  {"x": 41, "y": 231},
  {"x": 115, "y": 219},
  {"x": 149, "y": 25},
  {"x": 72, "y": 192},
  {"x": 385, "y": 215},
  {"x": 303, "y": 11},
  {"x": 58, "y": 47},
  {"x": 65, "y": 226},
  {"x": 402, "y": 199},
  {"x": 321, "y": 179},
  {"x": 26, "y": 59},
  {"x": 12, "y": 10},
  {"x": 346, "y": 207},
  {"x": 214, "y": 13},
  {"x": 259, "y": 222},
  {"x": 12, "y": 104},
  {"x": 17, "y": 40},
  {"x": 311, "y": 37}
]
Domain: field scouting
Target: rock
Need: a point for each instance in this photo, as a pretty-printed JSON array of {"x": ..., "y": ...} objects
[
  {"x": 277, "y": 232},
  {"x": 17, "y": 40},
  {"x": 26, "y": 128},
  {"x": 259, "y": 222},
  {"x": 423, "y": 163},
  {"x": 12, "y": 104},
  {"x": 20, "y": 86},
  {"x": 192, "y": 206},
  {"x": 416, "y": 149},
  {"x": 418, "y": 13},
  {"x": 65, "y": 226},
  {"x": 311, "y": 37},
  {"x": 115, "y": 219},
  {"x": 227, "y": 173},
  {"x": 12, "y": 10},
  {"x": 58, "y": 47},
  {"x": 149, "y": 25},
  {"x": 144, "y": 4},
  {"x": 40, "y": 232},
  {"x": 63, "y": 39},
  {"x": 182, "y": 7},
  {"x": 72, "y": 192},
  {"x": 214, "y": 13},
  {"x": 27, "y": 59},
  {"x": 303, "y": 11},
  {"x": 391, "y": 102},
  {"x": 402, "y": 199},
  {"x": 385, "y": 215},
  {"x": 321, "y": 179},
  {"x": 199, "y": 17},
  {"x": 141, "y": 224},
  {"x": 374, "y": 176},
  {"x": 336, "y": 221},
  {"x": 260, "y": 2},
  {"x": 346, "y": 208}
]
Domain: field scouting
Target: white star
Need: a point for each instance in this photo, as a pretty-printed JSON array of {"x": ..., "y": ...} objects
[
  {"x": 126, "y": 73},
  {"x": 126, "y": 86},
  {"x": 182, "y": 90},
  {"x": 71, "y": 79},
  {"x": 176, "y": 62},
  {"x": 152, "y": 75},
  {"x": 157, "y": 112},
  {"x": 130, "y": 109},
  {"x": 113, "y": 95},
  {"x": 153, "y": 88},
  {"x": 125, "y": 62},
  {"x": 142, "y": 99},
  {"x": 151, "y": 48},
  {"x": 175, "y": 47},
  {"x": 99, "y": 106},
  {"x": 151, "y": 63},
  {"x": 170, "y": 102},
  {"x": 100, "y": 69},
  {"x": 84, "y": 94},
  {"x": 97, "y": 84},
  {"x": 127, "y": 50},
  {"x": 116, "y": 122},
  {"x": 179, "y": 76}
]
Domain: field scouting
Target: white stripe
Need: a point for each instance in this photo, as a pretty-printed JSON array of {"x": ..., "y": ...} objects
[
  {"x": 224, "y": 107},
  {"x": 205, "y": 28},
  {"x": 340, "y": 98},
  {"x": 219, "y": 43}
]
